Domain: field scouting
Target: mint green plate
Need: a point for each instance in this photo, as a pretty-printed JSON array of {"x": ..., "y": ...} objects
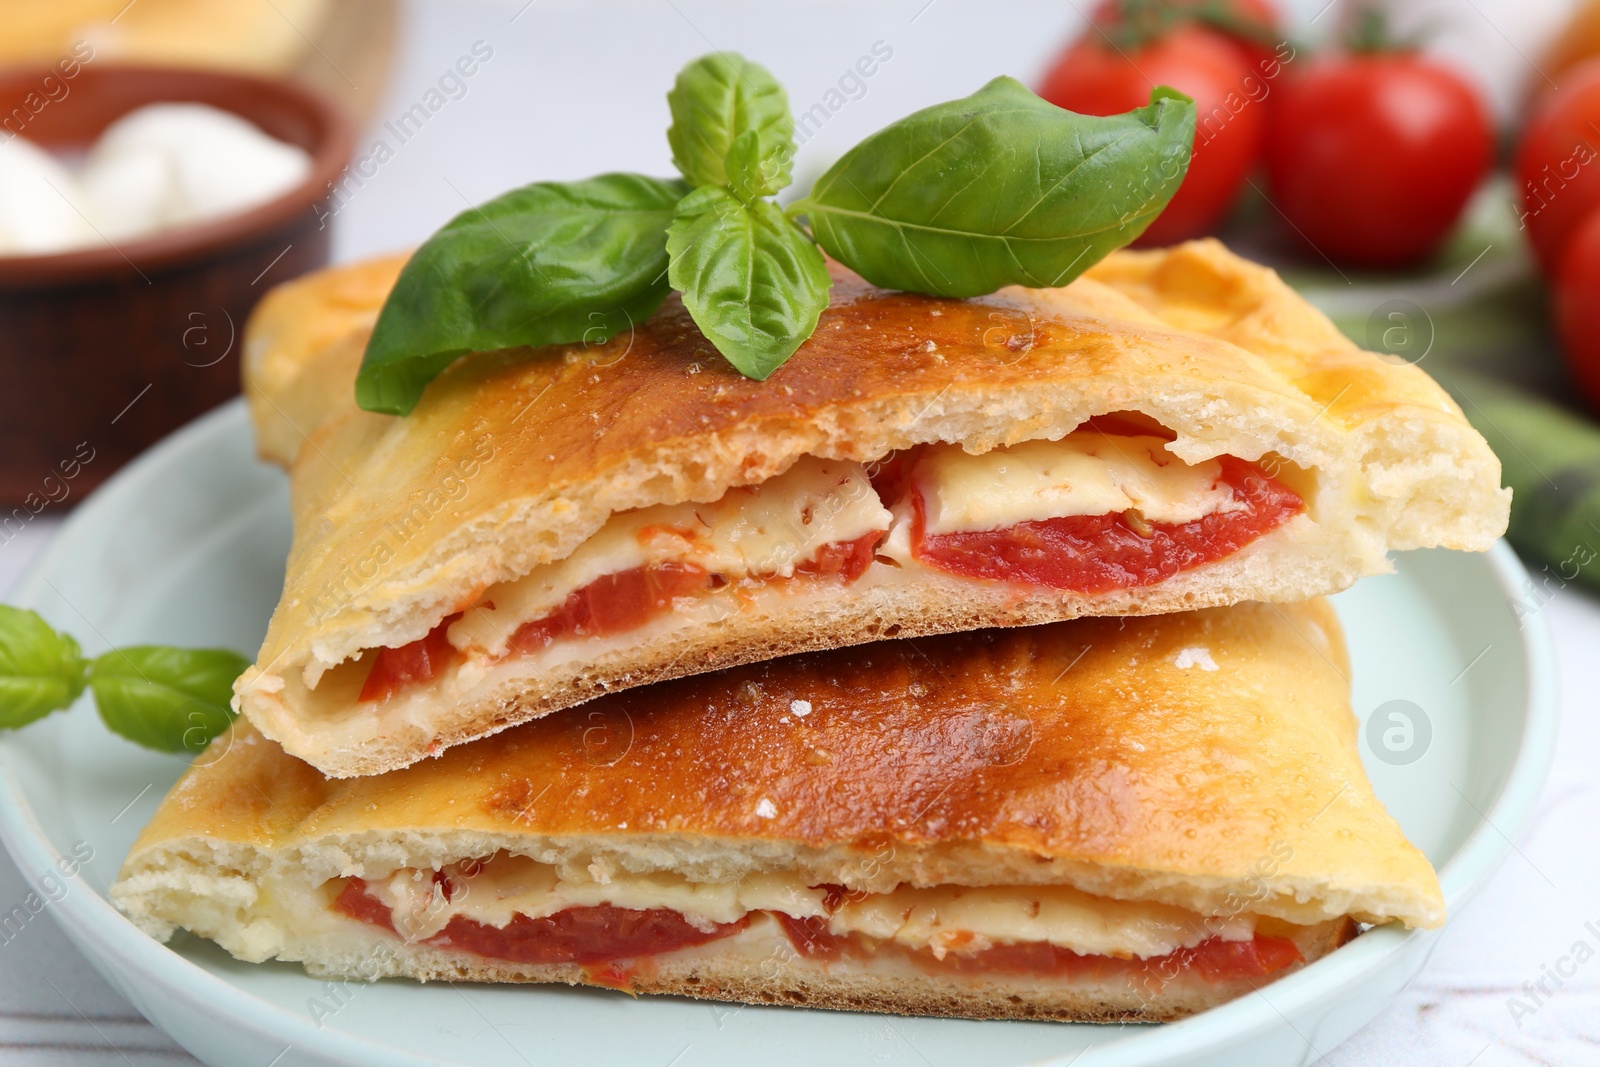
[{"x": 186, "y": 546}]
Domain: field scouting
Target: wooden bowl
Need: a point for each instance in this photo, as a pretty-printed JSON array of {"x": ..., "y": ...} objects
[{"x": 107, "y": 349}]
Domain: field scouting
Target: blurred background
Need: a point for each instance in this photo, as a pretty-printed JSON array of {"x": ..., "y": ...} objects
[{"x": 1426, "y": 171}]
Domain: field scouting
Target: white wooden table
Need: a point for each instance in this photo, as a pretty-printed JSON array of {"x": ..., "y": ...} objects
[{"x": 572, "y": 91}]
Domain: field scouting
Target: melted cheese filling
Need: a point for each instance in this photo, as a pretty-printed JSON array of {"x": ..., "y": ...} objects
[
  {"x": 771, "y": 529},
  {"x": 757, "y": 531},
  {"x": 938, "y": 919},
  {"x": 1084, "y": 473}
]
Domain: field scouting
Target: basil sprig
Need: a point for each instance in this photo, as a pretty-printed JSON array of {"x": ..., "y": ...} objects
[
  {"x": 168, "y": 699},
  {"x": 549, "y": 263},
  {"x": 752, "y": 280},
  {"x": 40, "y": 670},
  {"x": 716, "y": 100},
  {"x": 999, "y": 188}
]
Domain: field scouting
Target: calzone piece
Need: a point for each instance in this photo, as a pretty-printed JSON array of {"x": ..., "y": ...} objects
[
  {"x": 1100, "y": 819},
  {"x": 1174, "y": 430}
]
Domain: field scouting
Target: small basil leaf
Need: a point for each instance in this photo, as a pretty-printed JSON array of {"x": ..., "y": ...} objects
[
  {"x": 549, "y": 263},
  {"x": 999, "y": 188},
  {"x": 752, "y": 174},
  {"x": 40, "y": 670},
  {"x": 168, "y": 699},
  {"x": 715, "y": 99},
  {"x": 752, "y": 280}
]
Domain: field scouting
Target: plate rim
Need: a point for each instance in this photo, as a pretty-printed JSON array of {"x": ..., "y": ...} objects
[{"x": 92, "y": 923}]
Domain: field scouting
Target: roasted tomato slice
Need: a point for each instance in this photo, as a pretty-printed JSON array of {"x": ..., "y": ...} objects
[
  {"x": 421, "y": 661},
  {"x": 1213, "y": 959},
  {"x": 848, "y": 559},
  {"x": 1098, "y": 553},
  {"x": 1220, "y": 961},
  {"x": 584, "y": 935},
  {"x": 614, "y": 603}
]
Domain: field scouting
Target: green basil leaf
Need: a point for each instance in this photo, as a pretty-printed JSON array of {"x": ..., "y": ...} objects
[
  {"x": 168, "y": 699},
  {"x": 756, "y": 170},
  {"x": 752, "y": 280},
  {"x": 999, "y": 188},
  {"x": 715, "y": 99},
  {"x": 40, "y": 670},
  {"x": 549, "y": 263}
]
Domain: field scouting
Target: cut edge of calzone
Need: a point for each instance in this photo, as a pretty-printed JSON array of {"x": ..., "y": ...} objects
[
  {"x": 1175, "y": 430},
  {"x": 1092, "y": 820}
]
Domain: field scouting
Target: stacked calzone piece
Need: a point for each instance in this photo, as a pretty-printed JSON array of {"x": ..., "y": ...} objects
[
  {"x": 1082, "y": 820},
  {"x": 1174, "y": 430},
  {"x": 972, "y": 664}
]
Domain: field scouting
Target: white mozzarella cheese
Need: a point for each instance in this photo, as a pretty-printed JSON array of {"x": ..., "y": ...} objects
[
  {"x": 515, "y": 885},
  {"x": 1084, "y": 473},
  {"x": 940, "y": 919},
  {"x": 757, "y": 531},
  {"x": 951, "y": 918}
]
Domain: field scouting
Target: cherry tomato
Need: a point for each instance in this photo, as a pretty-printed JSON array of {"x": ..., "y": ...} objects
[
  {"x": 1252, "y": 25},
  {"x": 1577, "y": 300},
  {"x": 1372, "y": 156},
  {"x": 1093, "y": 78},
  {"x": 1558, "y": 162}
]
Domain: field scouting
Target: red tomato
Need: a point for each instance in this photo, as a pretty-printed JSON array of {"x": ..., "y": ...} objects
[
  {"x": 611, "y": 604},
  {"x": 1372, "y": 156},
  {"x": 595, "y": 934},
  {"x": 1578, "y": 306},
  {"x": 1093, "y": 78},
  {"x": 848, "y": 559},
  {"x": 417, "y": 663},
  {"x": 1098, "y": 553},
  {"x": 1222, "y": 961},
  {"x": 1213, "y": 959},
  {"x": 1558, "y": 162},
  {"x": 614, "y": 603}
]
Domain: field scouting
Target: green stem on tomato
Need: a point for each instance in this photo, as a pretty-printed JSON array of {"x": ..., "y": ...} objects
[{"x": 1371, "y": 33}]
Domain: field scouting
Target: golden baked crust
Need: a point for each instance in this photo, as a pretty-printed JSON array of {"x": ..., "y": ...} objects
[
  {"x": 511, "y": 461},
  {"x": 1424, "y": 475},
  {"x": 303, "y": 342},
  {"x": 1103, "y": 754}
]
